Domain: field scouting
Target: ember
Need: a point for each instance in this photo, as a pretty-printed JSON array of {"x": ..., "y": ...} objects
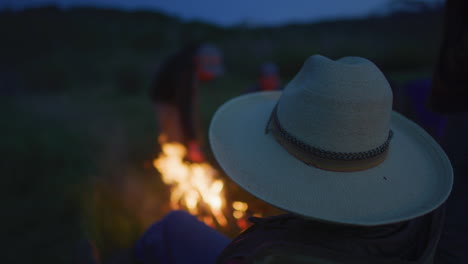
[{"x": 240, "y": 209}]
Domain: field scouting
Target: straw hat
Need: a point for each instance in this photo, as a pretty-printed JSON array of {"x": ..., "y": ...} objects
[{"x": 329, "y": 147}]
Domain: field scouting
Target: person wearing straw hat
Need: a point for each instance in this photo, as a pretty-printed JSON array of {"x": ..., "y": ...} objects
[
  {"x": 330, "y": 150},
  {"x": 361, "y": 183}
]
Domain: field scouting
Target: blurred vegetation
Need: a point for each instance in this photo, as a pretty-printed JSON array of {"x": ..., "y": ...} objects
[
  {"x": 55, "y": 50},
  {"x": 76, "y": 121}
]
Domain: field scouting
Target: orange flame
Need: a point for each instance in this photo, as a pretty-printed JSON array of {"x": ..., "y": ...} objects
[{"x": 192, "y": 184}]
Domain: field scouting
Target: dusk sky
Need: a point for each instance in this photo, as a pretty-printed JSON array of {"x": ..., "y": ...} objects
[{"x": 257, "y": 12}]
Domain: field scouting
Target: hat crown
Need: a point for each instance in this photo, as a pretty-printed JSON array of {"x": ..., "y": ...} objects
[{"x": 341, "y": 106}]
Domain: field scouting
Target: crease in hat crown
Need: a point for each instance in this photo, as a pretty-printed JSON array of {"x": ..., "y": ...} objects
[{"x": 341, "y": 106}]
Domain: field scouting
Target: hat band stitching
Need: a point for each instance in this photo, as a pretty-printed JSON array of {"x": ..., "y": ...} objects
[{"x": 346, "y": 156}]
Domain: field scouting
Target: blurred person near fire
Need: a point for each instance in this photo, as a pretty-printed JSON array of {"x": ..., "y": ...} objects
[
  {"x": 267, "y": 80},
  {"x": 175, "y": 93},
  {"x": 361, "y": 183},
  {"x": 449, "y": 97}
]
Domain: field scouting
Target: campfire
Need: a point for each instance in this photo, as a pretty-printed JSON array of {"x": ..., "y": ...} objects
[{"x": 195, "y": 187}]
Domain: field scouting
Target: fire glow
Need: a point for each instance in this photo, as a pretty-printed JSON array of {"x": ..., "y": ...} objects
[{"x": 194, "y": 186}]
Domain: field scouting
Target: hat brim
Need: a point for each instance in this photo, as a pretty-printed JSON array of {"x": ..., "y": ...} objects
[{"x": 415, "y": 178}]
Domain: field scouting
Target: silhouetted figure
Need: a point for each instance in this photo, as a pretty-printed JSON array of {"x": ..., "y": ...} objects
[
  {"x": 450, "y": 93},
  {"x": 175, "y": 92}
]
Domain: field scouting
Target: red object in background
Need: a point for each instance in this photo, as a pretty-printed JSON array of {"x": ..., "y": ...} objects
[
  {"x": 194, "y": 152},
  {"x": 204, "y": 75},
  {"x": 269, "y": 83},
  {"x": 242, "y": 223},
  {"x": 208, "y": 64}
]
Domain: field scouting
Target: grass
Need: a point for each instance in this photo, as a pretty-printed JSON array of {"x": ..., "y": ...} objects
[
  {"x": 43, "y": 166},
  {"x": 53, "y": 147}
]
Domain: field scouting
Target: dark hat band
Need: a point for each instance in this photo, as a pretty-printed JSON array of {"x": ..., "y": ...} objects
[{"x": 324, "y": 159}]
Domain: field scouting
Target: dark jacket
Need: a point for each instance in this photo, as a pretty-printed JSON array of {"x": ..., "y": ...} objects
[{"x": 289, "y": 239}]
